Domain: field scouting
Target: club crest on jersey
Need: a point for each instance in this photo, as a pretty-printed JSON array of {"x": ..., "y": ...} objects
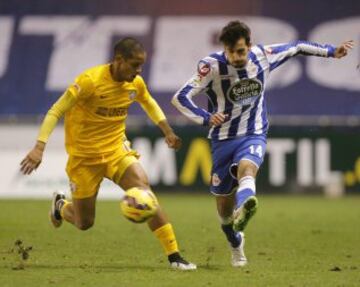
[
  {"x": 203, "y": 68},
  {"x": 132, "y": 94},
  {"x": 215, "y": 180},
  {"x": 245, "y": 91}
]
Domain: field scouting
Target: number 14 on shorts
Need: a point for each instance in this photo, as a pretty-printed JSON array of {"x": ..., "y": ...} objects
[{"x": 256, "y": 149}]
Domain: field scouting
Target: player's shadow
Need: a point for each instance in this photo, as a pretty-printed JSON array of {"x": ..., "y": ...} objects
[
  {"x": 109, "y": 267},
  {"x": 97, "y": 268},
  {"x": 209, "y": 267},
  {"x": 90, "y": 268}
]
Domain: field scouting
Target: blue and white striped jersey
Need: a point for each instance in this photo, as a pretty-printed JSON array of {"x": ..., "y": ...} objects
[{"x": 239, "y": 93}]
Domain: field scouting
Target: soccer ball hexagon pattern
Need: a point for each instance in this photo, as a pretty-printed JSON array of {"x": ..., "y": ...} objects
[{"x": 138, "y": 205}]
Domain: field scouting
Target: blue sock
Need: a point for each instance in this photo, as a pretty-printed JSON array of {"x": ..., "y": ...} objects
[
  {"x": 245, "y": 190},
  {"x": 242, "y": 196},
  {"x": 232, "y": 236}
]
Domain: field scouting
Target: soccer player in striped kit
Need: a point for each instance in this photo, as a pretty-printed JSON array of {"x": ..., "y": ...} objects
[{"x": 234, "y": 81}]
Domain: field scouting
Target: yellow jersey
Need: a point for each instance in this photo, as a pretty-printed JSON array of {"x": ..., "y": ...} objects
[{"x": 95, "y": 108}]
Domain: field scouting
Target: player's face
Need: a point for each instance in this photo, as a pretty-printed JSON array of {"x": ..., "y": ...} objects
[
  {"x": 238, "y": 54},
  {"x": 128, "y": 69}
]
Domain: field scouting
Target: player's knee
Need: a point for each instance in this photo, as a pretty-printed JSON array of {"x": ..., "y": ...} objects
[
  {"x": 143, "y": 183},
  {"x": 139, "y": 180},
  {"x": 144, "y": 180},
  {"x": 246, "y": 169},
  {"x": 85, "y": 224}
]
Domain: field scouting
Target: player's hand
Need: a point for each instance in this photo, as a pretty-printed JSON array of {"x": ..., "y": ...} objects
[
  {"x": 173, "y": 141},
  {"x": 217, "y": 119},
  {"x": 343, "y": 49},
  {"x": 32, "y": 159}
]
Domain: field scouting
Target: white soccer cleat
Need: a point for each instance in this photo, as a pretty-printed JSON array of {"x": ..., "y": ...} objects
[
  {"x": 179, "y": 263},
  {"x": 184, "y": 266},
  {"x": 238, "y": 258},
  {"x": 54, "y": 214}
]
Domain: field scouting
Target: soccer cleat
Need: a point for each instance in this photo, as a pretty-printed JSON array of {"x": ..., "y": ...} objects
[
  {"x": 55, "y": 216},
  {"x": 243, "y": 214},
  {"x": 179, "y": 263},
  {"x": 238, "y": 258}
]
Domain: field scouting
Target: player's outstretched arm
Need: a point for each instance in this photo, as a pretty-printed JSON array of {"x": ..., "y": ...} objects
[
  {"x": 33, "y": 159},
  {"x": 342, "y": 50},
  {"x": 278, "y": 54}
]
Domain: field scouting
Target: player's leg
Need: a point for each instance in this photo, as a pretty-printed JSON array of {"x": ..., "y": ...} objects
[
  {"x": 79, "y": 212},
  {"x": 246, "y": 202},
  {"x": 131, "y": 174},
  {"x": 223, "y": 186},
  {"x": 85, "y": 181},
  {"x": 225, "y": 209},
  {"x": 135, "y": 176},
  {"x": 249, "y": 156}
]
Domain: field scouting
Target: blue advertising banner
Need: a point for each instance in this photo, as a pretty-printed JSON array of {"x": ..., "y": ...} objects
[{"x": 44, "y": 44}]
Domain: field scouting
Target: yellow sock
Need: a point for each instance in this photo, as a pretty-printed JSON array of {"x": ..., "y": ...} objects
[
  {"x": 167, "y": 238},
  {"x": 66, "y": 203}
]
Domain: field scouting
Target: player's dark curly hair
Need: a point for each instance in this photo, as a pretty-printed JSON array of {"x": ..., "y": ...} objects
[
  {"x": 234, "y": 31},
  {"x": 127, "y": 47}
]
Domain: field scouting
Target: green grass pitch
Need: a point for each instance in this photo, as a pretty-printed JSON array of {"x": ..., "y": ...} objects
[{"x": 292, "y": 241}]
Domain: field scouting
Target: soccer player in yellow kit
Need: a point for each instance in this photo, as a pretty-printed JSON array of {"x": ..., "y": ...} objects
[{"x": 95, "y": 108}]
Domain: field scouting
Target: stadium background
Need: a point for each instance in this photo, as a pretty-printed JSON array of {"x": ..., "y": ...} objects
[
  {"x": 314, "y": 103},
  {"x": 294, "y": 240}
]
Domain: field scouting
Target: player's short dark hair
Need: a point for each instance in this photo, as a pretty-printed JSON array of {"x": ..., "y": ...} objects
[
  {"x": 128, "y": 47},
  {"x": 234, "y": 31}
]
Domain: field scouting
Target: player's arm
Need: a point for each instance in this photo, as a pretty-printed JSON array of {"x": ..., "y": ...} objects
[
  {"x": 182, "y": 100},
  {"x": 34, "y": 157},
  {"x": 155, "y": 113},
  {"x": 56, "y": 112},
  {"x": 278, "y": 54}
]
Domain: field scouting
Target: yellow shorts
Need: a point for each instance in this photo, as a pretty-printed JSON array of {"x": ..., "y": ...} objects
[{"x": 86, "y": 174}]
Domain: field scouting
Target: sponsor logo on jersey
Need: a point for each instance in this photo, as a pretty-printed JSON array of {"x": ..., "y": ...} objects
[
  {"x": 245, "y": 91},
  {"x": 111, "y": 112},
  {"x": 203, "y": 68}
]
